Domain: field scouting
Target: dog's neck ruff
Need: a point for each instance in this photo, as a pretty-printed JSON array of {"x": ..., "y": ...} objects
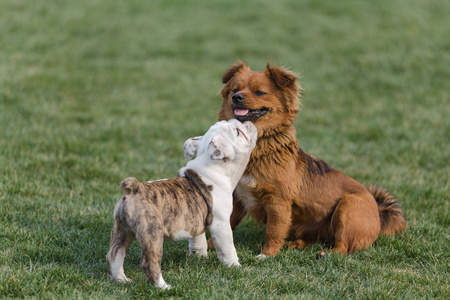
[
  {"x": 275, "y": 141},
  {"x": 205, "y": 190}
]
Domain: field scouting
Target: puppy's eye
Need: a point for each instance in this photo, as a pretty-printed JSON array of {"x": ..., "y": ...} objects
[
  {"x": 238, "y": 132},
  {"x": 235, "y": 91},
  {"x": 259, "y": 93}
]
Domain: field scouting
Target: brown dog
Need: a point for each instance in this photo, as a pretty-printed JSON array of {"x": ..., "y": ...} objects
[{"x": 300, "y": 197}]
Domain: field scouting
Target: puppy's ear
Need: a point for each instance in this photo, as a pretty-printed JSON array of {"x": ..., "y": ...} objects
[
  {"x": 281, "y": 76},
  {"x": 216, "y": 151},
  {"x": 190, "y": 147},
  {"x": 233, "y": 70}
]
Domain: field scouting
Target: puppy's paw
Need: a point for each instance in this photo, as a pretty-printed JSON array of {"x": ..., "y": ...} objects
[
  {"x": 162, "y": 284},
  {"x": 236, "y": 264},
  {"x": 190, "y": 147},
  {"x": 261, "y": 257},
  {"x": 200, "y": 253},
  {"x": 121, "y": 279},
  {"x": 232, "y": 264}
]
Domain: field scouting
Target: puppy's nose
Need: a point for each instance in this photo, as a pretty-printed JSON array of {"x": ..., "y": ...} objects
[{"x": 237, "y": 98}]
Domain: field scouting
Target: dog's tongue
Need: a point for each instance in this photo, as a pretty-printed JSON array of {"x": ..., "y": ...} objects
[{"x": 240, "y": 112}]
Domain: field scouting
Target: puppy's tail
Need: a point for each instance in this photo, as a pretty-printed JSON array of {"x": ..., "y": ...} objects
[
  {"x": 391, "y": 214},
  {"x": 129, "y": 185}
]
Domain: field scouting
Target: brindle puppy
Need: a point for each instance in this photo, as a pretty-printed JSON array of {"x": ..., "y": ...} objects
[{"x": 198, "y": 199}]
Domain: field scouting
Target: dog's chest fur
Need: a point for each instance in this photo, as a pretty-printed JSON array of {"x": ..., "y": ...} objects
[
  {"x": 272, "y": 177},
  {"x": 253, "y": 192},
  {"x": 245, "y": 190}
]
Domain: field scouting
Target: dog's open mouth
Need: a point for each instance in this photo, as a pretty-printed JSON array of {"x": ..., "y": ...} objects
[{"x": 245, "y": 114}]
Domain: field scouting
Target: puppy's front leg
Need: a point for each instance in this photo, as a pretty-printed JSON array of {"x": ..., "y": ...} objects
[
  {"x": 197, "y": 245},
  {"x": 222, "y": 237}
]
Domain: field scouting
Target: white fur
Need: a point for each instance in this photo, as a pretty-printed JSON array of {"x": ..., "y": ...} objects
[
  {"x": 244, "y": 190},
  {"x": 162, "y": 284},
  {"x": 190, "y": 147},
  {"x": 181, "y": 235},
  {"x": 261, "y": 256},
  {"x": 150, "y": 181},
  {"x": 117, "y": 272},
  {"x": 198, "y": 245},
  {"x": 222, "y": 171},
  {"x": 248, "y": 180}
]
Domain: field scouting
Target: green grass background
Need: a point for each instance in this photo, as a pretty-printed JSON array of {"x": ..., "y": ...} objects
[{"x": 94, "y": 91}]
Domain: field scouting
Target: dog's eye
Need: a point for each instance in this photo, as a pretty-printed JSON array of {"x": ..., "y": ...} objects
[
  {"x": 238, "y": 132},
  {"x": 235, "y": 91},
  {"x": 259, "y": 93}
]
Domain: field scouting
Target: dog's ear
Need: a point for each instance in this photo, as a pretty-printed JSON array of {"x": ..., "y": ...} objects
[
  {"x": 216, "y": 151},
  {"x": 286, "y": 81},
  {"x": 229, "y": 74},
  {"x": 233, "y": 70},
  {"x": 281, "y": 76},
  {"x": 190, "y": 147}
]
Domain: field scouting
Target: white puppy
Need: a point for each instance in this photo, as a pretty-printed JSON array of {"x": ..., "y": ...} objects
[{"x": 198, "y": 199}]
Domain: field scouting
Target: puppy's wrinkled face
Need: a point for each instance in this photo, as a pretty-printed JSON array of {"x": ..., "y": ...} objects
[
  {"x": 224, "y": 141},
  {"x": 268, "y": 98}
]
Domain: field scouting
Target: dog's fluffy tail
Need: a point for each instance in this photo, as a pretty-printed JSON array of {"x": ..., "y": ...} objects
[
  {"x": 391, "y": 214},
  {"x": 129, "y": 185}
]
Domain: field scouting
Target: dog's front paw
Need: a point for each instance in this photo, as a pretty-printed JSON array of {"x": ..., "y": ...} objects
[
  {"x": 321, "y": 254},
  {"x": 261, "y": 256}
]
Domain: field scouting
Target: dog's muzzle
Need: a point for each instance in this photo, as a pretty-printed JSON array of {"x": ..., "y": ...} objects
[{"x": 243, "y": 113}]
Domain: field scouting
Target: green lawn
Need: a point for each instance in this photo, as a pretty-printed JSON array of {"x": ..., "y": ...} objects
[{"x": 92, "y": 92}]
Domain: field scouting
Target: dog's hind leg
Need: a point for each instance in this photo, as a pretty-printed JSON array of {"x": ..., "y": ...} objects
[
  {"x": 119, "y": 243},
  {"x": 151, "y": 238},
  {"x": 356, "y": 223}
]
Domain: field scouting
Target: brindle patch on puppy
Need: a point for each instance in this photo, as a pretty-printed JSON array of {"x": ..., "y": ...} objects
[{"x": 143, "y": 213}]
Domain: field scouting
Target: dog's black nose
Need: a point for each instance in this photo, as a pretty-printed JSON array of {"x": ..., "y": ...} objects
[{"x": 237, "y": 98}]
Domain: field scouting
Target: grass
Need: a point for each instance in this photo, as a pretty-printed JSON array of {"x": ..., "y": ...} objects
[{"x": 94, "y": 91}]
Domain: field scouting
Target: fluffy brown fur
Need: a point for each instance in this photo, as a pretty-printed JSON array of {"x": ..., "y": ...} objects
[{"x": 300, "y": 197}]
